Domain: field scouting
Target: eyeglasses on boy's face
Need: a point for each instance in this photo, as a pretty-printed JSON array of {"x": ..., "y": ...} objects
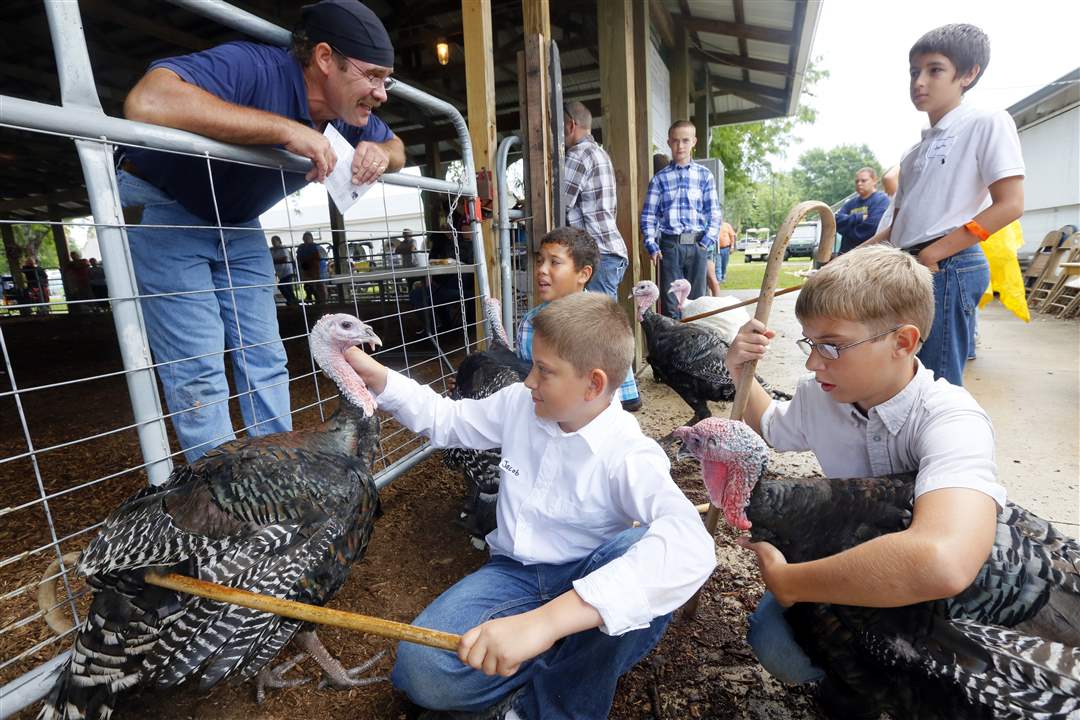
[
  {"x": 830, "y": 351},
  {"x": 375, "y": 81}
]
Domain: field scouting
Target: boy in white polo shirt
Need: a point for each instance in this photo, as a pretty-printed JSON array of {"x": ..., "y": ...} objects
[
  {"x": 963, "y": 182},
  {"x": 872, "y": 409},
  {"x": 571, "y": 597}
]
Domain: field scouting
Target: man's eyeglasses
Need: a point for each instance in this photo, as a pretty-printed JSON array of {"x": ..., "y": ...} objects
[
  {"x": 832, "y": 352},
  {"x": 374, "y": 80}
]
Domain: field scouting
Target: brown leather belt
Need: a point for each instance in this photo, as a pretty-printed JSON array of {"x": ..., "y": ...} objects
[{"x": 132, "y": 169}]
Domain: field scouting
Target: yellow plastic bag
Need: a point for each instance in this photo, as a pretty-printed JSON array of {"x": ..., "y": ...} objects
[{"x": 1005, "y": 277}]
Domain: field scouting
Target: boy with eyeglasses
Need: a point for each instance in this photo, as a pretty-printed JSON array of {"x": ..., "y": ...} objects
[{"x": 870, "y": 409}]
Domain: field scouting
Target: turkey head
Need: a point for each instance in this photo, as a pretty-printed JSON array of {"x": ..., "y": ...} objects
[
  {"x": 681, "y": 290},
  {"x": 330, "y": 337},
  {"x": 733, "y": 457},
  {"x": 645, "y": 294}
]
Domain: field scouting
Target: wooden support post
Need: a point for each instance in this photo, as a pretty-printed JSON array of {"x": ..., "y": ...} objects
[
  {"x": 537, "y": 136},
  {"x": 434, "y": 204},
  {"x": 702, "y": 110},
  {"x": 680, "y": 75},
  {"x": 640, "y": 268},
  {"x": 618, "y": 68},
  {"x": 338, "y": 243},
  {"x": 536, "y": 18},
  {"x": 480, "y": 92},
  {"x": 56, "y": 224}
]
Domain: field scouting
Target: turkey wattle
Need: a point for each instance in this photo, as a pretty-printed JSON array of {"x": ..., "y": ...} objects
[
  {"x": 284, "y": 515},
  {"x": 1006, "y": 647}
]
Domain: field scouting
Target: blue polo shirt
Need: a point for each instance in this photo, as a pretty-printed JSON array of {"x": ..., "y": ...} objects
[{"x": 257, "y": 76}]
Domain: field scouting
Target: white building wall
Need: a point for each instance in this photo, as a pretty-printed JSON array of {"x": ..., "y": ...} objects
[{"x": 1051, "y": 150}]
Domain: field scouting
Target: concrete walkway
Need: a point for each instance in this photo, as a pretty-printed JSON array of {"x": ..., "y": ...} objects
[{"x": 1026, "y": 376}]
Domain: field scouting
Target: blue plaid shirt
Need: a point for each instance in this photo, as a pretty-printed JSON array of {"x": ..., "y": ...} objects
[
  {"x": 681, "y": 199},
  {"x": 627, "y": 391}
]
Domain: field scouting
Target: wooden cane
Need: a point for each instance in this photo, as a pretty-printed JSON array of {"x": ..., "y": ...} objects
[
  {"x": 744, "y": 303},
  {"x": 303, "y": 611},
  {"x": 764, "y": 307}
]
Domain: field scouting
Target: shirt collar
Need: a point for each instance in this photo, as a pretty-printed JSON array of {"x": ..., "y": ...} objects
[
  {"x": 597, "y": 434},
  {"x": 894, "y": 412},
  {"x": 297, "y": 73},
  {"x": 949, "y": 119}
]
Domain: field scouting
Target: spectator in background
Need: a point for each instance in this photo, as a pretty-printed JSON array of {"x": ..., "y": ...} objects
[
  {"x": 590, "y": 198},
  {"x": 681, "y": 217},
  {"x": 99, "y": 288},
  {"x": 890, "y": 181},
  {"x": 719, "y": 258},
  {"x": 79, "y": 279},
  {"x": 309, "y": 258},
  {"x": 405, "y": 249},
  {"x": 858, "y": 218},
  {"x": 284, "y": 269},
  {"x": 37, "y": 284}
]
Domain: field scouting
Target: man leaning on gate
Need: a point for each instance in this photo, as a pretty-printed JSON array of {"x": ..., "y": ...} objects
[{"x": 213, "y": 276}]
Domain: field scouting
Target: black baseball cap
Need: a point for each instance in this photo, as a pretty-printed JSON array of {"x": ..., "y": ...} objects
[{"x": 352, "y": 28}]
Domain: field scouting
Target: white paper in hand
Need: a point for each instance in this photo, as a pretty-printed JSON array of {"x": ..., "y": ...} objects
[{"x": 339, "y": 183}]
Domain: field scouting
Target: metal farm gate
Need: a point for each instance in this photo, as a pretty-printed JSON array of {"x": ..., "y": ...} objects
[{"x": 45, "y": 496}]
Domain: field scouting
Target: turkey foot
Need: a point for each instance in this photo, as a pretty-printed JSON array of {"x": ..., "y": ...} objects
[
  {"x": 334, "y": 673},
  {"x": 274, "y": 678}
]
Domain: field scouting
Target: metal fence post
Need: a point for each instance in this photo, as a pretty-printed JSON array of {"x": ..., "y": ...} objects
[{"x": 77, "y": 88}]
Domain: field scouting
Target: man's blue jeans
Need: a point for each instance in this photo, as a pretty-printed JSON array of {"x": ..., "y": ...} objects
[
  {"x": 608, "y": 275},
  {"x": 189, "y": 331},
  {"x": 681, "y": 261},
  {"x": 722, "y": 255},
  {"x": 774, "y": 644},
  {"x": 958, "y": 284},
  {"x": 574, "y": 679}
]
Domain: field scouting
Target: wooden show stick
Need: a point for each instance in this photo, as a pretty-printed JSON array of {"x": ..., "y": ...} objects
[
  {"x": 744, "y": 303},
  {"x": 768, "y": 292},
  {"x": 303, "y": 611}
]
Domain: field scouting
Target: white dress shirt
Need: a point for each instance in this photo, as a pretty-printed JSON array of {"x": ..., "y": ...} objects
[
  {"x": 945, "y": 179},
  {"x": 930, "y": 427},
  {"x": 562, "y": 495}
]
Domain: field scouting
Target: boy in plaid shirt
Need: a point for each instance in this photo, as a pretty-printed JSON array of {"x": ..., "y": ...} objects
[{"x": 564, "y": 265}]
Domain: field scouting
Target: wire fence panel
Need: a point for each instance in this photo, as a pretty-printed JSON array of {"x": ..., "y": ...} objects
[{"x": 90, "y": 352}]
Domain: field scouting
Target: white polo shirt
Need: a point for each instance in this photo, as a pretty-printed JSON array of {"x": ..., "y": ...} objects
[
  {"x": 945, "y": 179},
  {"x": 931, "y": 427},
  {"x": 562, "y": 495}
]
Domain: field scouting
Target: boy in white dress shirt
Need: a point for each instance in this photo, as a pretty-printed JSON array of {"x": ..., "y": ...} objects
[
  {"x": 571, "y": 597},
  {"x": 871, "y": 409}
]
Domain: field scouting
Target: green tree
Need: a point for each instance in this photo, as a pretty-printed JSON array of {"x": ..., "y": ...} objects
[
  {"x": 34, "y": 239},
  {"x": 745, "y": 149},
  {"x": 829, "y": 175}
]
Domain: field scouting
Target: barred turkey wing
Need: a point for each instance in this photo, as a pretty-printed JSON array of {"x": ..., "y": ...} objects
[{"x": 284, "y": 515}]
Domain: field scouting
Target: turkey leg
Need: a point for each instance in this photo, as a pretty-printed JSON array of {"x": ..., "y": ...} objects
[{"x": 334, "y": 673}]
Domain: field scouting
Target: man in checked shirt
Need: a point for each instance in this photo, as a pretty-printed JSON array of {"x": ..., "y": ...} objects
[
  {"x": 589, "y": 192},
  {"x": 681, "y": 217},
  {"x": 590, "y": 197}
]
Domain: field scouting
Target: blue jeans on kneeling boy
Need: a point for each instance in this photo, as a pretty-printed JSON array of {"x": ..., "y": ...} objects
[
  {"x": 773, "y": 643},
  {"x": 576, "y": 678}
]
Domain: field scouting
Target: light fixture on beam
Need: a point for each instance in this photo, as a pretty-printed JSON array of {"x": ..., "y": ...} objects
[{"x": 442, "y": 51}]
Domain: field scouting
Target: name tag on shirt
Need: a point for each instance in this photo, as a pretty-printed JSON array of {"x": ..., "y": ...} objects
[
  {"x": 507, "y": 467},
  {"x": 939, "y": 149}
]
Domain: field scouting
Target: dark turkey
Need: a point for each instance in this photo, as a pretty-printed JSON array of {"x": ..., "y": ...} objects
[
  {"x": 687, "y": 358},
  {"x": 283, "y": 515},
  {"x": 482, "y": 374},
  {"x": 1006, "y": 647}
]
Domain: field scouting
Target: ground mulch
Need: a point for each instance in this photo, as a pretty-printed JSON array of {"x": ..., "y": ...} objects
[{"x": 701, "y": 669}]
